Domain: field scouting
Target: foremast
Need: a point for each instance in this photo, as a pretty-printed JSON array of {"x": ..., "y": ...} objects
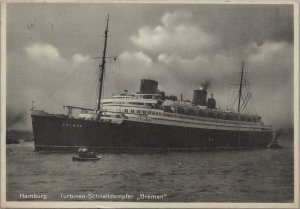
[{"x": 102, "y": 69}]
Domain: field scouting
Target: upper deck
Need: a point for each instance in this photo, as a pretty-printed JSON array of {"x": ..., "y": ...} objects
[{"x": 151, "y": 104}]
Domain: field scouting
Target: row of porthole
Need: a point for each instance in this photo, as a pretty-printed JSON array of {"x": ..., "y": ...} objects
[
  {"x": 142, "y": 112},
  {"x": 72, "y": 125}
]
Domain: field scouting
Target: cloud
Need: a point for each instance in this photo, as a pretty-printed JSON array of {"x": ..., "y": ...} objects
[
  {"x": 271, "y": 63},
  {"x": 268, "y": 69},
  {"x": 173, "y": 19},
  {"x": 174, "y": 73},
  {"x": 175, "y": 34},
  {"x": 139, "y": 58},
  {"x": 180, "y": 49},
  {"x": 184, "y": 55},
  {"x": 78, "y": 58},
  {"x": 43, "y": 52},
  {"x": 48, "y": 78},
  {"x": 127, "y": 72},
  {"x": 269, "y": 49},
  {"x": 203, "y": 67}
]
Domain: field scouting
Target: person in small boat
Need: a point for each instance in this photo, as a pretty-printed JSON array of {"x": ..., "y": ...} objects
[{"x": 84, "y": 153}]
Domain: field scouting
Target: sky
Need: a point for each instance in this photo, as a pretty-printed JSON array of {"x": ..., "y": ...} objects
[{"x": 51, "y": 50}]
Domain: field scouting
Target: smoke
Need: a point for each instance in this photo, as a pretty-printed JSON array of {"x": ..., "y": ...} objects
[
  {"x": 14, "y": 118},
  {"x": 205, "y": 85}
]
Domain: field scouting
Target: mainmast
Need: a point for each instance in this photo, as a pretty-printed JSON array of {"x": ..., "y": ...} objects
[
  {"x": 102, "y": 68},
  {"x": 240, "y": 91}
]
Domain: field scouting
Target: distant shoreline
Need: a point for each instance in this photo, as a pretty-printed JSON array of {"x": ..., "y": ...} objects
[{"x": 16, "y": 135}]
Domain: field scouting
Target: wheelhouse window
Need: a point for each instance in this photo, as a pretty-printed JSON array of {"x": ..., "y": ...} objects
[{"x": 147, "y": 96}]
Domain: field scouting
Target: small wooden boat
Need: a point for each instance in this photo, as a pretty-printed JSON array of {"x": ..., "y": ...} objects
[
  {"x": 85, "y": 155},
  {"x": 85, "y": 158}
]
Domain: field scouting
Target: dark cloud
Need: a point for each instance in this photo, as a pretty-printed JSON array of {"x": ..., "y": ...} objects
[
  {"x": 239, "y": 25},
  {"x": 180, "y": 46}
]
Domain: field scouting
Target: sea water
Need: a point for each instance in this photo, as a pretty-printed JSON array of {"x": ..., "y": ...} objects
[{"x": 254, "y": 175}]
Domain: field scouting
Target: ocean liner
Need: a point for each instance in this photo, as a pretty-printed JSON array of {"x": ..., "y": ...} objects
[{"x": 149, "y": 119}]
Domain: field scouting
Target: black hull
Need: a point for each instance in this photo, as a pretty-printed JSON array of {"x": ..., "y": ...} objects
[{"x": 61, "y": 133}]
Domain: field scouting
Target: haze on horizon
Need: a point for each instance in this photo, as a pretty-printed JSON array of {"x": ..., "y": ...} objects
[{"x": 50, "y": 46}]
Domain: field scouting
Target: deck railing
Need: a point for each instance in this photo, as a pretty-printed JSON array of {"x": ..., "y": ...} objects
[{"x": 173, "y": 115}]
